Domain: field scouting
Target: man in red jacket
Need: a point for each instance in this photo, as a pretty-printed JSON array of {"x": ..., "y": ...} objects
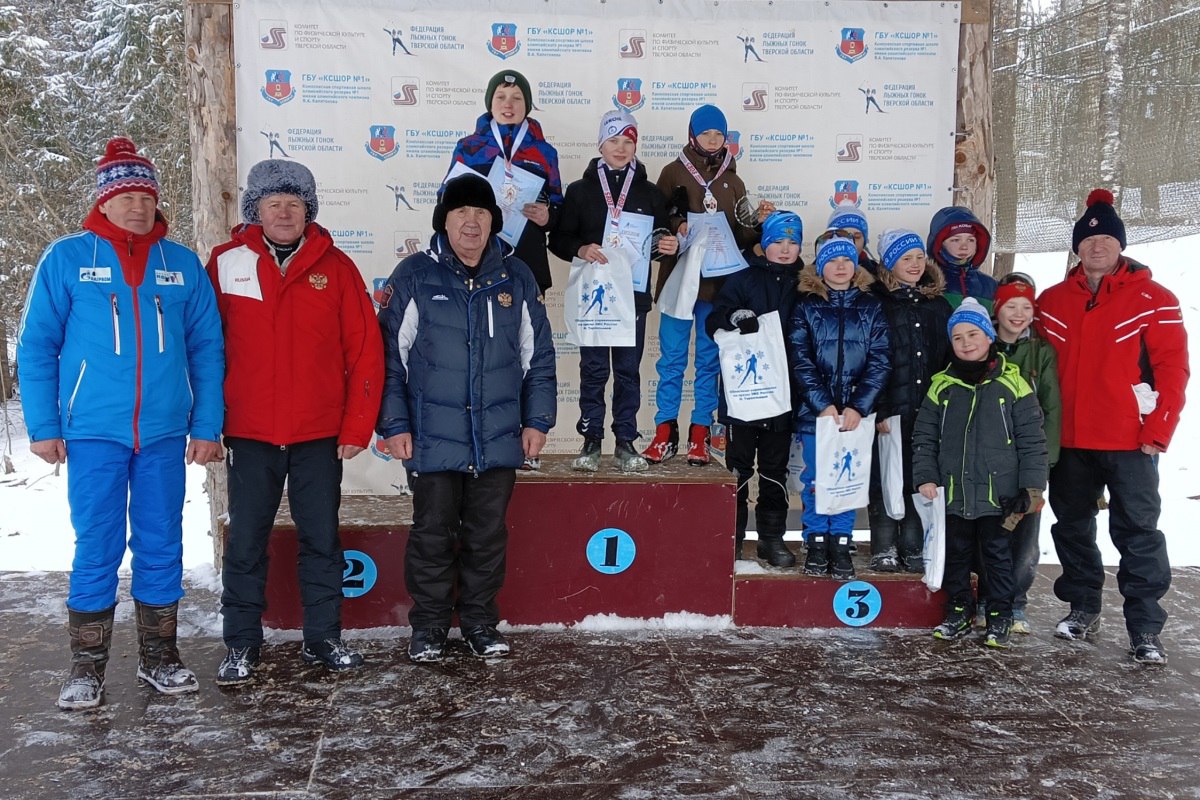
[
  {"x": 302, "y": 389},
  {"x": 1123, "y": 369}
]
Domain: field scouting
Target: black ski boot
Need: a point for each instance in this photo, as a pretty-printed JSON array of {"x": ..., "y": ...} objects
[
  {"x": 158, "y": 651},
  {"x": 91, "y": 637},
  {"x": 843, "y": 565},
  {"x": 816, "y": 557}
]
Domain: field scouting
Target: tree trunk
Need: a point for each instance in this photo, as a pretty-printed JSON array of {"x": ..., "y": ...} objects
[
  {"x": 1116, "y": 17},
  {"x": 974, "y": 172},
  {"x": 1006, "y": 22},
  {"x": 6, "y": 373},
  {"x": 208, "y": 34}
]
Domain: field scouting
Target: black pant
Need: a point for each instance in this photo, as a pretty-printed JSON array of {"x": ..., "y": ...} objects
[
  {"x": 963, "y": 536},
  {"x": 1076, "y": 485},
  {"x": 743, "y": 444},
  {"x": 627, "y": 387},
  {"x": 458, "y": 533},
  {"x": 257, "y": 471}
]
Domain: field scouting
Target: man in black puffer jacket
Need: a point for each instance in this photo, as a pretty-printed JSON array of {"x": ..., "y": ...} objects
[{"x": 469, "y": 393}]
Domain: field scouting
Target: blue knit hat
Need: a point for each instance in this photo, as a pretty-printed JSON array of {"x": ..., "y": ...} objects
[
  {"x": 972, "y": 312},
  {"x": 833, "y": 247},
  {"x": 895, "y": 242},
  {"x": 782, "y": 225},
  {"x": 847, "y": 215},
  {"x": 707, "y": 118}
]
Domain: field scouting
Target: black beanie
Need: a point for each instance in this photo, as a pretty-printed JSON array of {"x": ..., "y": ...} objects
[
  {"x": 467, "y": 190},
  {"x": 508, "y": 77},
  {"x": 1100, "y": 218}
]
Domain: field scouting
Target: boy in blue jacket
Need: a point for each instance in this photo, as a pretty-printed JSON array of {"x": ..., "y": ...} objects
[
  {"x": 768, "y": 284},
  {"x": 838, "y": 343}
]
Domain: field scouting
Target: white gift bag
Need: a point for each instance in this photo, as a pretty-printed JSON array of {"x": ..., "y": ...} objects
[
  {"x": 933, "y": 520},
  {"x": 599, "y": 309},
  {"x": 754, "y": 371},
  {"x": 796, "y": 465},
  {"x": 678, "y": 296},
  {"x": 843, "y": 468},
  {"x": 891, "y": 468}
]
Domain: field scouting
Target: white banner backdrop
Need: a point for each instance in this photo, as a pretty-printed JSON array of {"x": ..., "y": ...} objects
[{"x": 847, "y": 101}]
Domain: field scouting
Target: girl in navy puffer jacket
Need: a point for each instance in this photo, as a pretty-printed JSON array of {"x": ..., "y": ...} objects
[{"x": 838, "y": 341}]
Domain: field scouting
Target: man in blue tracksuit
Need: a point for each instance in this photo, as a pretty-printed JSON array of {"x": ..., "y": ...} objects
[
  {"x": 121, "y": 361},
  {"x": 469, "y": 393}
]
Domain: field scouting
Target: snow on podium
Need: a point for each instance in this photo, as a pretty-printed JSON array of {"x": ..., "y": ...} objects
[{"x": 636, "y": 547}]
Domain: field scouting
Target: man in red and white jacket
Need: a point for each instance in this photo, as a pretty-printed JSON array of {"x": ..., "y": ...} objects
[
  {"x": 1123, "y": 369},
  {"x": 303, "y": 382}
]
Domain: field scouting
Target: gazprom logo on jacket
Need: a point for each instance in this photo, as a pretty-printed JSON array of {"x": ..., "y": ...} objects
[
  {"x": 754, "y": 96},
  {"x": 383, "y": 142},
  {"x": 272, "y": 34},
  {"x": 845, "y": 192},
  {"x": 853, "y": 45},
  {"x": 629, "y": 94},
  {"x": 633, "y": 43},
  {"x": 504, "y": 42},
  {"x": 278, "y": 87},
  {"x": 404, "y": 91}
]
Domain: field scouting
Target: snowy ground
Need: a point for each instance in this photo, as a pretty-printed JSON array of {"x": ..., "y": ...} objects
[{"x": 35, "y": 530}]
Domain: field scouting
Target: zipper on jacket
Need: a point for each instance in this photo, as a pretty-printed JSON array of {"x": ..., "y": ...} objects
[
  {"x": 75, "y": 391},
  {"x": 1004, "y": 421},
  {"x": 116, "y": 318},
  {"x": 966, "y": 429},
  {"x": 158, "y": 306},
  {"x": 491, "y": 322},
  {"x": 137, "y": 389}
]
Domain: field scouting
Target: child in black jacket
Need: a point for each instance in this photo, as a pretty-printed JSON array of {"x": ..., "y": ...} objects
[
  {"x": 612, "y": 185},
  {"x": 768, "y": 284}
]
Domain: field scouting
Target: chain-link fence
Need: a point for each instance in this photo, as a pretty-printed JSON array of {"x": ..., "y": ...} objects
[{"x": 1094, "y": 94}]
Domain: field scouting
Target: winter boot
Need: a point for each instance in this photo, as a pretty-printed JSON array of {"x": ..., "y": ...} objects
[
  {"x": 628, "y": 459},
  {"x": 237, "y": 668},
  {"x": 1077, "y": 625},
  {"x": 886, "y": 561},
  {"x": 773, "y": 550},
  {"x": 158, "y": 652},
  {"x": 588, "y": 459},
  {"x": 697, "y": 454},
  {"x": 331, "y": 653},
  {"x": 843, "y": 565},
  {"x": 884, "y": 532},
  {"x": 486, "y": 642},
  {"x": 956, "y": 625},
  {"x": 912, "y": 545},
  {"x": 816, "y": 558},
  {"x": 91, "y": 637},
  {"x": 998, "y": 630},
  {"x": 665, "y": 444},
  {"x": 1147, "y": 649}
]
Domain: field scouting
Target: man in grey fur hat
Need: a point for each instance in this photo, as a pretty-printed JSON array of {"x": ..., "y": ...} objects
[{"x": 302, "y": 387}]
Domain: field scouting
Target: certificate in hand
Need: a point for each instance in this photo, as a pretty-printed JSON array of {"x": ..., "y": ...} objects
[
  {"x": 635, "y": 231},
  {"x": 722, "y": 255},
  {"x": 512, "y": 197}
]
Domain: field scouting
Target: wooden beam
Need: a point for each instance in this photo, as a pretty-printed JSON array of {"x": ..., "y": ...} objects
[
  {"x": 974, "y": 157},
  {"x": 208, "y": 37}
]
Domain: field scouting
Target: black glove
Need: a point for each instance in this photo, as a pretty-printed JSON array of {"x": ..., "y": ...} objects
[
  {"x": 1015, "y": 508},
  {"x": 1015, "y": 505},
  {"x": 744, "y": 320}
]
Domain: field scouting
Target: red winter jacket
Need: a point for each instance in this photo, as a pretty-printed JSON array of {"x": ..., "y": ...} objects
[
  {"x": 304, "y": 357},
  {"x": 1130, "y": 332}
]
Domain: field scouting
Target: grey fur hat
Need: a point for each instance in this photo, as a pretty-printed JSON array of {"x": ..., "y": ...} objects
[{"x": 279, "y": 176}]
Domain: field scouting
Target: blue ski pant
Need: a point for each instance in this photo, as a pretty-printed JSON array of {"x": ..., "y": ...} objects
[
  {"x": 109, "y": 483},
  {"x": 673, "y": 336}
]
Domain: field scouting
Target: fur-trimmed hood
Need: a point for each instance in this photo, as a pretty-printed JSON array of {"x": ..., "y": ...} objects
[
  {"x": 932, "y": 283},
  {"x": 811, "y": 283}
]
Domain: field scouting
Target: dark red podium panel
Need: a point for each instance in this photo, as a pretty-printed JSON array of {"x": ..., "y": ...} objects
[
  {"x": 794, "y": 600},
  {"x": 633, "y": 546}
]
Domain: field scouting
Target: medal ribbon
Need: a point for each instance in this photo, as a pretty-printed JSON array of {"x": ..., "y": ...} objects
[
  {"x": 696, "y": 173},
  {"x": 516, "y": 145},
  {"x": 614, "y": 211}
]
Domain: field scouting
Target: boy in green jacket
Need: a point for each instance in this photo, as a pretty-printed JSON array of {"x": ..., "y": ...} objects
[
  {"x": 979, "y": 436},
  {"x": 1014, "y": 308}
]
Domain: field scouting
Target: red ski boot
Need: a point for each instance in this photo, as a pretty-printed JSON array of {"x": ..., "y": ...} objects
[
  {"x": 697, "y": 454},
  {"x": 665, "y": 444}
]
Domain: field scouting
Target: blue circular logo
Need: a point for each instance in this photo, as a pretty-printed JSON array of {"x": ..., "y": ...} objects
[
  {"x": 360, "y": 574},
  {"x": 611, "y": 550},
  {"x": 857, "y": 603}
]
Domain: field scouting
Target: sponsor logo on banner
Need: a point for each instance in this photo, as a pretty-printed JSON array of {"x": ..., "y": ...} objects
[
  {"x": 404, "y": 91},
  {"x": 734, "y": 142},
  {"x": 278, "y": 87},
  {"x": 397, "y": 37},
  {"x": 632, "y": 43},
  {"x": 629, "y": 94},
  {"x": 754, "y": 96},
  {"x": 853, "y": 45},
  {"x": 407, "y": 243},
  {"x": 383, "y": 142},
  {"x": 849, "y": 146},
  {"x": 845, "y": 192},
  {"x": 504, "y": 42},
  {"x": 272, "y": 34}
]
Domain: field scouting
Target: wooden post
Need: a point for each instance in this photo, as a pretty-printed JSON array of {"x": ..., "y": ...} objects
[
  {"x": 208, "y": 37},
  {"x": 974, "y": 167}
]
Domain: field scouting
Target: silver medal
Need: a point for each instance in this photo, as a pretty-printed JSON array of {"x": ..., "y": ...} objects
[{"x": 710, "y": 203}]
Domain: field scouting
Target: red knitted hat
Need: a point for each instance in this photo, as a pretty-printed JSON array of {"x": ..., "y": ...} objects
[
  {"x": 123, "y": 170},
  {"x": 1011, "y": 291}
]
